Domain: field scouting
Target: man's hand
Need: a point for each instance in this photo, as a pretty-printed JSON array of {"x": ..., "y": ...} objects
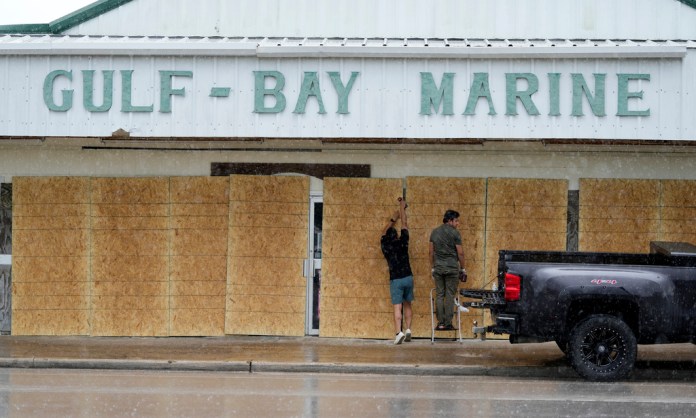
[{"x": 402, "y": 203}]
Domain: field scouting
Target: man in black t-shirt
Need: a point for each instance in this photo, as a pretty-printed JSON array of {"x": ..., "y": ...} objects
[{"x": 395, "y": 250}]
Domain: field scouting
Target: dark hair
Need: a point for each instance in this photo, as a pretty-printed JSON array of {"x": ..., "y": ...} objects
[
  {"x": 391, "y": 233},
  {"x": 450, "y": 215}
]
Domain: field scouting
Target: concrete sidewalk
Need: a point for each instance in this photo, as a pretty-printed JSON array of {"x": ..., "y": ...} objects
[{"x": 330, "y": 355}]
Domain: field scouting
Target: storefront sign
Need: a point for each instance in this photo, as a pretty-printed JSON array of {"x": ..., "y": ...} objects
[
  {"x": 271, "y": 96},
  {"x": 251, "y": 97}
]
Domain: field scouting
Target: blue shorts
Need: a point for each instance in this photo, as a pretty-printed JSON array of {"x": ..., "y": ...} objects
[{"x": 401, "y": 290}]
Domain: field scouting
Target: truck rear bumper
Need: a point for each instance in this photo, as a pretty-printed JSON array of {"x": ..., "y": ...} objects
[{"x": 504, "y": 324}]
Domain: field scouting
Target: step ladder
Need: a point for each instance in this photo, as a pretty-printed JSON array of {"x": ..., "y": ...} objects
[{"x": 432, "y": 317}]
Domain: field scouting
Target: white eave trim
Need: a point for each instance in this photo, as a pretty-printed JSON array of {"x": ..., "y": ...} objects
[
  {"x": 131, "y": 49},
  {"x": 339, "y": 48},
  {"x": 471, "y": 53}
]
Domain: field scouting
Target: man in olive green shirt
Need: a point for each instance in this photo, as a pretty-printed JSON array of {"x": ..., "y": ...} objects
[{"x": 446, "y": 263}]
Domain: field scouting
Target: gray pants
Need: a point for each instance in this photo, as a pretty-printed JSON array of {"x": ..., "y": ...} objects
[{"x": 446, "y": 285}]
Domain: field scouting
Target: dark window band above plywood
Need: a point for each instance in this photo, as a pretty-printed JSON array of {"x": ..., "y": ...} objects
[{"x": 315, "y": 170}]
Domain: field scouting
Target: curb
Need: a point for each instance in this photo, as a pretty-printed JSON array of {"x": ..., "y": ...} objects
[
  {"x": 113, "y": 364},
  {"x": 559, "y": 371},
  {"x": 285, "y": 367}
]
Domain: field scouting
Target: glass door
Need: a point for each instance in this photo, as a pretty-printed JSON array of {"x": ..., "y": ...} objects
[{"x": 313, "y": 270}]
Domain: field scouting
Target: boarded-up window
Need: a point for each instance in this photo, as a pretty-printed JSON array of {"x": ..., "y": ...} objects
[{"x": 266, "y": 289}]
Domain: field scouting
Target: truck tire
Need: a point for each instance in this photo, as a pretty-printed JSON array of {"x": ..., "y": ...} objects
[{"x": 602, "y": 348}]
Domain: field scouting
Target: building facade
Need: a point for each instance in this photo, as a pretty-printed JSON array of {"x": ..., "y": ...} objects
[{"x": 230, "y": 174}]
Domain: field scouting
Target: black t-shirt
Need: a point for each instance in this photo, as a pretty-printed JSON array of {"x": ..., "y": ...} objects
[{"x": 396, "y": 253}]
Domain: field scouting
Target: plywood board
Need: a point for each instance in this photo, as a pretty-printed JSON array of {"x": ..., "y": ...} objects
[
  {"x": 55, "y": 288},
  {"x": 203, "y": 242},
  {"x": 353, "y": 267},
  {"x": 50, "y": 190},
  {"x": 200, "y": 190},
  {"x": 619, "y": 192},
  {"x": 255, "y": 246},
  {"x": 51, "y": 210},
  {"x": 199, "y": 241},
  {"x": 51, "y": 322},
  {"x": 258, "y": 271},
  {"x": 50, "y": 222},
  {"x": 363, "y": 324},
  {"x": 199, "y": 267},
  {"x": 678, "y": 211},
  {"x": 287, "y": 241},
  {"x": 59, "y": 269},
  {"x": 130, "y": 248},
  {"x": 51, "y": 294},
  {"x": 50, "y": 242},
  {"x": 269, "y": 323},
  {"x": 108, "y": 268},
  {"x": 196, "y": 322},
  {"x": 143, "y": 210},
  {"x": 619, "y": 215},
  {"x": 130, "y": 322},
  {"x": 130, "y": 190},
  {"x": 429, "y": 198},
  {"x": 524, "y": 214}
]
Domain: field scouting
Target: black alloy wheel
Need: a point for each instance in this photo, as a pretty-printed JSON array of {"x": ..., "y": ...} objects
[{"x": 602, "y": 348}]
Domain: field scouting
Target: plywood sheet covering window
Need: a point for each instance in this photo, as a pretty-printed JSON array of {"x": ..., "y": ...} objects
[
  {"x": 268, "y": 227},
  {"x": 619, "y": 215},
  {"x": 198, "y": 262},
  {"x": 524, "y": 214},
  {"x": 678, "y": 211},
  {"x": 50, "y": 263},
  {"x": 130, "y": 256},
  {"x": 429, "y": 198},
  {"x": 354, "y": 297}
]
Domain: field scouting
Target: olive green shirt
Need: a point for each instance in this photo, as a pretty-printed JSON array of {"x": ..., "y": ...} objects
[{"x": 445, "y": 239}]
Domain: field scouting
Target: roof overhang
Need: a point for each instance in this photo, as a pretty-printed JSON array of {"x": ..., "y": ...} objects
[{"x": 341, "y": 47}]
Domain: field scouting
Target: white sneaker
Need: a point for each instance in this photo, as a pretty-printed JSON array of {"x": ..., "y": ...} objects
[
  {"x": 399, "y": 338},
  {"x": 408, "y": 335}
]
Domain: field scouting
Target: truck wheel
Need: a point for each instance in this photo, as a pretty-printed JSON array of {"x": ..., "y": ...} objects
[{"x": 602, "y": 348}]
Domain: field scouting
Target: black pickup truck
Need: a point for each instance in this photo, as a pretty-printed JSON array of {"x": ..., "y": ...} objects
[{"x": 596, "y": 306}]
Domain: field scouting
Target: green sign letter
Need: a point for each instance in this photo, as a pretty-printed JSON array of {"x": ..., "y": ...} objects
[
  {"x": 88, "y": 96},
  {"x": 431, "y": 96},
  {"x": 624, "y": 95},
  {"x": 260, "y": 91},
  {"x": 341, "y": 90},
  {"x": 48, "y": 91},
  {"x": 126, "y": 91},
  {"x": 554, "y": 94},
  {"x": 310, "y": 87},
  {"x": 479, "y": 88},
  {"x": 166, "y": 90},
  {"x": 512, "y": 94},
  {"x": 580, "y": 88}
]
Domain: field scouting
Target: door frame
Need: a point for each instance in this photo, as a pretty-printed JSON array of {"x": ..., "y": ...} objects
[{"x": 311, "y": 264}]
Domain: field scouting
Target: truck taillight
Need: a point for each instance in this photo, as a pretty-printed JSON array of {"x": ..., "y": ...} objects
[{"x": 513, "y": 284}]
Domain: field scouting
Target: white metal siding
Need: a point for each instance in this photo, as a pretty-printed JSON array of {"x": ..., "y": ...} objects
[
  {"x": 625, "y": 19},
  {"x": 384, "y": 102}
]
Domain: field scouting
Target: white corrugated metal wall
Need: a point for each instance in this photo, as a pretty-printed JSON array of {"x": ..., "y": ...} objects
[
  {"x": 622, "y": 19},
  {"x": 384, "y": 103}
]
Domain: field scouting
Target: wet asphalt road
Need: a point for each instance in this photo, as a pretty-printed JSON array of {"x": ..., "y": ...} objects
[{"x": 121, "y": 393}]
